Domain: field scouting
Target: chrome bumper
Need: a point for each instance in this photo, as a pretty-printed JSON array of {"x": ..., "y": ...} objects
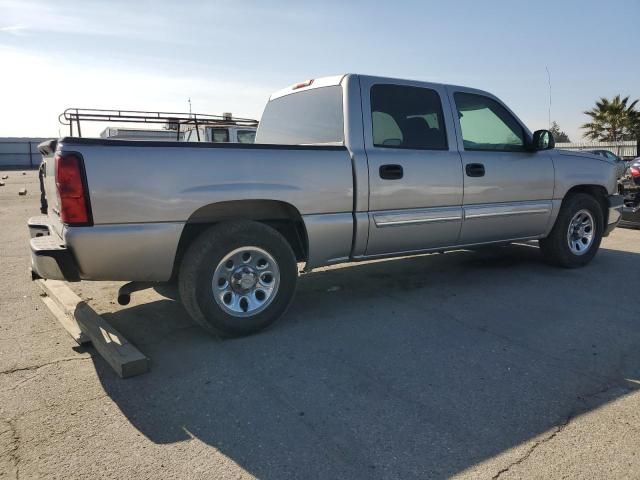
[{"x": 50, "y": 258}]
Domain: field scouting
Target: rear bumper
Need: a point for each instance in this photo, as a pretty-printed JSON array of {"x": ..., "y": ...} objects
[
  {"x": 127, "y": 252},
  {"x": 616, "y": 204},
  {"x": 50, "y": 258}
]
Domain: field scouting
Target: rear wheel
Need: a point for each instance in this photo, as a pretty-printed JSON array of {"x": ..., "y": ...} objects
[
  {"x": 577, "y": 233},
  {"x": 237, "y": 278}
]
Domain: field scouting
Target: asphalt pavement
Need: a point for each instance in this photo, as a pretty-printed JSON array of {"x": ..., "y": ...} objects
[{"x": 487, "y": 364}]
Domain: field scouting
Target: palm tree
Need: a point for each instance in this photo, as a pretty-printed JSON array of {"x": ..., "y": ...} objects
[
  {"x": 610, "y": 119},
  {"x": 634, "y": 129}
]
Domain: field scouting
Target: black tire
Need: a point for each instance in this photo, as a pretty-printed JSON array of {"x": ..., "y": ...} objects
[
  {"x": 555, "y": 247},
  {"x": 199, "y": 263}
]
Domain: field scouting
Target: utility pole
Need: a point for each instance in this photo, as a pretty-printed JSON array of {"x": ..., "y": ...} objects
[
  {"x": 549, "y": 80},
  {"x": 189, "y": 107}
]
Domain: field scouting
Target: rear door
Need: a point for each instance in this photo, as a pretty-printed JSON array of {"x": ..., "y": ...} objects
[
  {"x": 415, "y": 171},
  {"x": 507, "y": 189}
]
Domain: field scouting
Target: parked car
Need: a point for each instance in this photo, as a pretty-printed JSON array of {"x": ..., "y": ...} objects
[
  {"x": 631, "y": 179},
  {"x": 620, "y": 163},
  {"x": 630, "y": 188},
  {"x": 345, "y": 168}
]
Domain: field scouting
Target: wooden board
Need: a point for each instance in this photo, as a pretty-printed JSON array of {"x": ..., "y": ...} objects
[
  {"x": 84, "y": 324},
  {"x": 67, "y": 321}
]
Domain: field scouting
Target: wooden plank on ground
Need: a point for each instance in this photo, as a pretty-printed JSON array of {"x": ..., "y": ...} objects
[
  {"x": 62, "y": 301},
  {"x": 67, "y": 321},
  {"x": 123, "y": 357}
]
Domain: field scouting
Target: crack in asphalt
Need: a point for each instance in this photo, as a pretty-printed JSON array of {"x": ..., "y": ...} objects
[
  {"x": 559, "y": 428},
  {"x": 46, "y": 364},
  {"x": 533, "y": 447},
  {"x": 15, "y": 441}
]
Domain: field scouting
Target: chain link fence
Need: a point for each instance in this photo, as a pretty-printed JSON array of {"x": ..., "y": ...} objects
[{"x": 627, "y": 149}]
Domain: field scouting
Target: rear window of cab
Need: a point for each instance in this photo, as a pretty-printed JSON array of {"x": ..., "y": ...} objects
[{"x": 311, "y": 116}]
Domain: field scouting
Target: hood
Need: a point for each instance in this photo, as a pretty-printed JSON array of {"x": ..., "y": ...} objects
[{"x": 580, "y": 154}]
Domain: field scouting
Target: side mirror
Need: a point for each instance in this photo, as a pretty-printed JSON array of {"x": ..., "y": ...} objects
[{"x": 542, "y": 140}]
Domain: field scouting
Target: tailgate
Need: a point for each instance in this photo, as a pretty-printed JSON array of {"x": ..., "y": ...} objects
[{"x": 48, "y": 185}]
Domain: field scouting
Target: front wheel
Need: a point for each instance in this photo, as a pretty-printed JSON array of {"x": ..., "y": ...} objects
[
  {"x": 577, "y": 233},
  {"x": 237, "y": 278}
]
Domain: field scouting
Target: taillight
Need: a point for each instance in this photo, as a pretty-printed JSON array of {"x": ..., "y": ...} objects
[
  {"x": 635, "y": 171},
  {"x": 74, "y": 209}
]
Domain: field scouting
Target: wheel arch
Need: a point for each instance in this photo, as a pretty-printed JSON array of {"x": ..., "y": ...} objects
[
  {"x": 598, "y": 192},
  {"x": 280, "y": 215}
]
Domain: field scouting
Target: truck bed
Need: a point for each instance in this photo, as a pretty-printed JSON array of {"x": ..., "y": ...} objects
[{"x": 142, "y": 194}]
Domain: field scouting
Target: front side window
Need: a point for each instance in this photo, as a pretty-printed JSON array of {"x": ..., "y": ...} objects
[
  {"x": 487, "y": 125},
  {"x": 407, "y": 117}
]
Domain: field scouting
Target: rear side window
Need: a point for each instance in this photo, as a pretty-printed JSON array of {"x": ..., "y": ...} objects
[
  {"x": 309, "y": 117},
  {"x": 407, "y": 117},
  {"x": 487, "y": 125}
]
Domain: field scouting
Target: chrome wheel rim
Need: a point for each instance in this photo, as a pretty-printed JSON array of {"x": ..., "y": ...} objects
[
  {"x": 581, "y": 232},
  {"x": 245, "y": 281}
]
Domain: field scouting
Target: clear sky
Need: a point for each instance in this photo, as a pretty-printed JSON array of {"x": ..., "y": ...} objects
[{"x": 230, "y": 55}]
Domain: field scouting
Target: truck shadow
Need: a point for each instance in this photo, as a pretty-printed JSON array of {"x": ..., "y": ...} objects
[{"x": 409, "y": 368}]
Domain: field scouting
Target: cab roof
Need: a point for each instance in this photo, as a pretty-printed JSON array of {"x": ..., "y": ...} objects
[{"x": 334, "y": 80}]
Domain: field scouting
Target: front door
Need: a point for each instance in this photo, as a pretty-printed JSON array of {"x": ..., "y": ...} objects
[
  {"x": 415, "y": 171},
  {"x": 507, "y": 189}
]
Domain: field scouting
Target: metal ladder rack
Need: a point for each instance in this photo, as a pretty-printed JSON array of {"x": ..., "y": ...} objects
[{"x": 172, "y": 120}]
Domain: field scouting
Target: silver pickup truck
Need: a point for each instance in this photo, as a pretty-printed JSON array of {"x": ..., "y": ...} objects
[{"x": 344, "y": 168}]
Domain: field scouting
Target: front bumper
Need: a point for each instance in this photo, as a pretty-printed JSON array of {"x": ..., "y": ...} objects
[
  {"x": 630, "y": 217},
  {"x": 50, "y": 257},
  {"x": 616, "y": 204}
]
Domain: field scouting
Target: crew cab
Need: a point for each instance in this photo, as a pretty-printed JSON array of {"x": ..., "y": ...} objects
[{"x": 344, "y": 168}]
